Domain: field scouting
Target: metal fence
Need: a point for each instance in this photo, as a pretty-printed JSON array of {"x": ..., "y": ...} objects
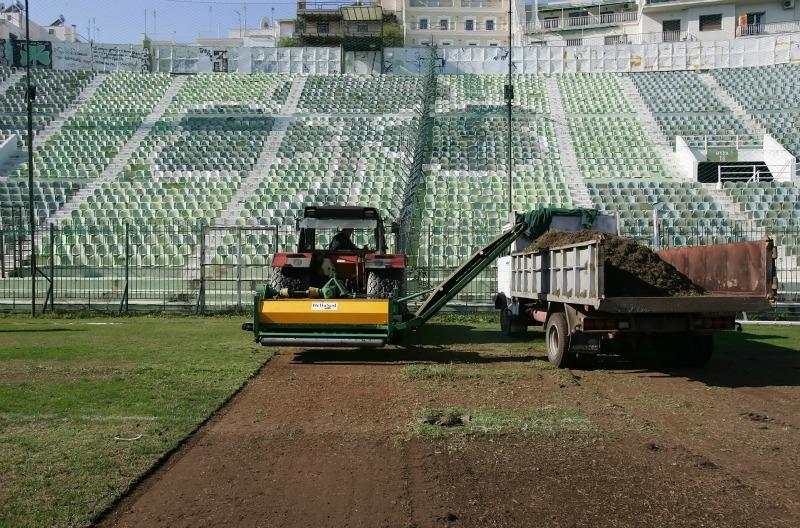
[{"x": 201, "y": 269}]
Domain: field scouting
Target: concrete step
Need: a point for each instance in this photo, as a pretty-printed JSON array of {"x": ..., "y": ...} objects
[
  {"x": 254, "y": 178},
  {"x": 124, "y": 155},
  {"x": 732, "y": 103},
  {"x": 569, "y": 163},
  {"x": 657, "y": 137},
  {"x": 87, "y": 93}
]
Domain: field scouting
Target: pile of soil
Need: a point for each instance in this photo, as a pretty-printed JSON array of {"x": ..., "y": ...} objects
[{"x": 632, "y": 270}]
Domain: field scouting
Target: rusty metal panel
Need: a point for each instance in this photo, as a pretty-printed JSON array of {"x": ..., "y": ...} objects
[{"x": 744, "y": 267}]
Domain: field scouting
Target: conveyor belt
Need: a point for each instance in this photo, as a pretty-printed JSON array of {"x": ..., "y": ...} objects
[{"x": 456, "y": 282}]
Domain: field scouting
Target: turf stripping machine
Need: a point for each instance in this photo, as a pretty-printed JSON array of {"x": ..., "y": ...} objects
[
  {"x": 336, "y": 315},
  {"x": 584, "y": 302}
]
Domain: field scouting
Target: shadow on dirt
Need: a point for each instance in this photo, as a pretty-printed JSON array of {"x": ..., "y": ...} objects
[
  {"x": 740, "y": 360},
  {"x": 405, "y": 354},
  {"x": 435, "y": 344}
]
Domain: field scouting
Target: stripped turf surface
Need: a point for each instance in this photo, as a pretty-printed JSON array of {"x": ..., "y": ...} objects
[{"x": 88, "y": 405}]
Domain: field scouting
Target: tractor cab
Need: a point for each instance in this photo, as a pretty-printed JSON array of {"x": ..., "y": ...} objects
[{"x": 348, "y": 243}]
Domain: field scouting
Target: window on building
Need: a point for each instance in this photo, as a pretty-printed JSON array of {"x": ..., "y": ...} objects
[
  {"x": 575, "y": 42},
  {"x": 447, "y": 43},
  {"x": 469, "y": 24},
  {"x": 362, "y": 28},
  {"x": 754, "y": 24},
  {"x": 755, "y": 19},
  {"x": 615, "y": 39},
  {"x": 494, "y": 44},
  {"x": 423, "y": 23},
  {"x": 444, "y": 24},
  {"x": 491, "y": 25},
  {"x": 710, "y": 22},
  {"x": 671, "y": 30},
  {"x": 472, "y": 43},
  {"x": 323, "y": 28}
]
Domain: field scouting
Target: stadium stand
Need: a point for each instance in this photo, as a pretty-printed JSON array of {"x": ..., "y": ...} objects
[
  {"x": 609, "y": 140},
  {"x": 55, "y": 90},
  {"x": 359, "y": 94},
  {"x": 350, "y": 141},
  {"x": 683, "y": 105},
  {"x": 771, "y": 94}
]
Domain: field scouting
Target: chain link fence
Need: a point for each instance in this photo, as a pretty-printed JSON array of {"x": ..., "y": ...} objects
[{"x": 206, "y": 269}]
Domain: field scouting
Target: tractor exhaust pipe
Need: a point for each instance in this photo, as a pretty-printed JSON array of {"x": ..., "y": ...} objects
[{"x": 323, "y": 341}]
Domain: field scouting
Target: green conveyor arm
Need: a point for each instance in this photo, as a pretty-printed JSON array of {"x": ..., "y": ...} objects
[
  {"x": 456, "y": 282},
  {"x": 532, "y": 224}
]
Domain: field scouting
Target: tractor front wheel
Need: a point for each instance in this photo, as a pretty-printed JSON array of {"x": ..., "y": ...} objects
[{"x": 381, "y": 283}]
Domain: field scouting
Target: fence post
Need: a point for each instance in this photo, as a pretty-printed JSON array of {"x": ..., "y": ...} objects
[
  {"x": 201, "y": 301},
  {"x": 239, "y": 268},
  {"x": 2, "y": 254},
  {"x": 127, "y": 265},
  {"x": 52, "y": 268},
  {"x": 656, "y": 230}
]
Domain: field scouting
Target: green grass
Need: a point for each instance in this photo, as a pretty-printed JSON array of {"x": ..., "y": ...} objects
[
  {"x": 453, "y": 372},
  {"x": 69, "y": 387},
  {"x": 497, "y": 422}
]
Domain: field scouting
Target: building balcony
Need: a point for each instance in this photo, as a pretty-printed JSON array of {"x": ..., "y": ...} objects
[
  {"x": 612, "y": 40},
  {"x": 770, "y": 28},
  {"x": 583, "y": 22},
  {"x": 471, "y": 4},
  {"x": 460, "y": 28}
]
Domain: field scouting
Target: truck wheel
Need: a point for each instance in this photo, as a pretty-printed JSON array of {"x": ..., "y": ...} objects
[
  {"x": 293, "y": 279},
  {"x": 557, "y": 340},
  {"x": 381, "y": 284}
]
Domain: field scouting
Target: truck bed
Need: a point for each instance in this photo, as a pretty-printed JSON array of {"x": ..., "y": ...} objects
[{"x": 737, "y": 277}]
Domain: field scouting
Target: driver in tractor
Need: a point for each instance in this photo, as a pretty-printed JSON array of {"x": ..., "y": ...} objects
[{"x": 341, "y": 241}]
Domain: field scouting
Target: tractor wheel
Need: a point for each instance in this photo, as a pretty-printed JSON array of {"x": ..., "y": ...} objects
[
  {"x": 381, "y": 284},
  {"x": 293, "y": 279}
]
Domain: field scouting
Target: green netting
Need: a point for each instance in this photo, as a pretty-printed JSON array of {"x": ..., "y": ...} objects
[{"x": 539, "y": 221}]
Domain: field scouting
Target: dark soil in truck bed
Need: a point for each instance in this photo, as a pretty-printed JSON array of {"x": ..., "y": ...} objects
[{"x": 632, "y": 269}]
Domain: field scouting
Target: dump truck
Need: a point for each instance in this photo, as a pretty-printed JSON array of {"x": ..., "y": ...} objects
[{"x": 562, "y": 289}]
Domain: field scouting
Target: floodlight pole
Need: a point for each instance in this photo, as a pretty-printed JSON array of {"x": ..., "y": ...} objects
[
  {"x": 509, "y": 93},
  {"x": 29, "y": 95}
]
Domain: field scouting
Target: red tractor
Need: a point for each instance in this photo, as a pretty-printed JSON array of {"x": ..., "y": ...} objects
[{"x": 327, "y": 248}]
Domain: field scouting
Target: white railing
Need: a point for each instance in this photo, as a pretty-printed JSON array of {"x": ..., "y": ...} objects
[
  {"x": 431, "y": 3},
  {"x": 742, "y": 173},
  {"x": 750, "y": 30},
  {"x": 550, "y": 24},
  {"x": 576, "y": 39},
  {"x": 724, "y": 141},
  {"x": 458, "y": 26}
]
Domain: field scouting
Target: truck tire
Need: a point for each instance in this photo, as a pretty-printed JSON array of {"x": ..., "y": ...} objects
[
  {"x": 293, "y": 279},
  {"x": 381, "y": 284},
  {"x": 557, "y": 340}
]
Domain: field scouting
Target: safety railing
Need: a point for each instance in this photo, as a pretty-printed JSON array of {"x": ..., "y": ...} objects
[
  {"x": 570, "y": 22},
  {"x": 741, "y": 141},
  {"x": 201, "y": 269},
  {"x": 768, "y": 28}
]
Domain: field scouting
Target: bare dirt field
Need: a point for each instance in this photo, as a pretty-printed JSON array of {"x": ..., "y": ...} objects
[{"x": 333, "y": 438}]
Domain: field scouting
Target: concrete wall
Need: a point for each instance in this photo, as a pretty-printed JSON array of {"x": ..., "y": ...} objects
[
  {"x": 781, "y": 162},
  {"x": 687, "y": 158}
]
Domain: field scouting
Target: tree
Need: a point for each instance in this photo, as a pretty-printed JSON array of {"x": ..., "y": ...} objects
[
  {"x": 289, "y": 42},
  {"x": 392, "y": 36}
]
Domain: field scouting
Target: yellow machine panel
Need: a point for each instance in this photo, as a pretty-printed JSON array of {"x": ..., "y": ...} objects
[{"x": 320, "y": 311}]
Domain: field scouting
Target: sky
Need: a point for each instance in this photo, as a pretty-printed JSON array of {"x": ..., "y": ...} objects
[{"x": 123, "y": 21}]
